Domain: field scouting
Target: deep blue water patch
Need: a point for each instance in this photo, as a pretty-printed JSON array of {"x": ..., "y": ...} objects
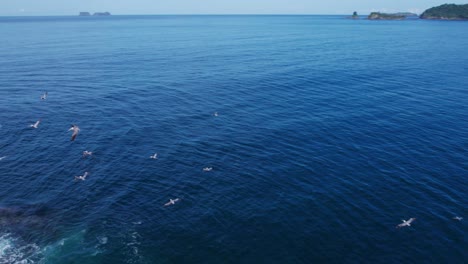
[{"x": 329, "y": 132}]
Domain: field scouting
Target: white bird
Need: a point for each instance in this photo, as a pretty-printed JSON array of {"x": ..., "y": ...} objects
[
  {"x": 208, "y": 169},
  {"x": 75, "y": 129},
  {"x": 44, "y": 96},
  {"x": 171, "y": 201},
  {"x": 82, "y": 177},
  {"x": 457, "y": 218},
  {"x": 215, "y": 114},
  {"x": 155, "y": 156},
  {"x": 87, "y": 153},
  {"x": 35, "y": 125},
  {"x": 3, "y": 157},
  {"x": 406, "y": 223}
]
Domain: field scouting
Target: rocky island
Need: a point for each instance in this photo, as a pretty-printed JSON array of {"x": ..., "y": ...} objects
[
  {"x": 84, "y": 14},
  {"x": 385, "y": 16},
  {"x": 392, "y": 16},
  {"x": 447, "y": 12}
]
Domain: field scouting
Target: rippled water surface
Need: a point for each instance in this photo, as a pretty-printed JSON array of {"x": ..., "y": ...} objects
[{"x": 329, "y": 132}]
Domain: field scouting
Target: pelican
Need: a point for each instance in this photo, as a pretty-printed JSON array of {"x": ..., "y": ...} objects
[
  {"x": 35, "y": 125},
  {"x": 208, "y": 169},
  {"x": 44, "y": 96},
  {"x": 75, "y": 129},
  {"x": 87, "y": 153},
  {"x": 406, "y": 223},
  {"x": 82, "y": 177},
  {"x": 171, "y": 202},
  {"x": 155, "y": 156},
  {"x": 457, "y": 218}
]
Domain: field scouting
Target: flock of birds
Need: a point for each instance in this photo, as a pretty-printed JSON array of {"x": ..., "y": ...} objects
[{"x": 86, "y": 153}]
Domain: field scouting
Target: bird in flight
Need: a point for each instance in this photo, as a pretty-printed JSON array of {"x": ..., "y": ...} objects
[
  {"x": 87, "y": 153},
  {"x": 75, "y": 129},
  {"x": 35, "y": 125},
  {"x": 458, "y": 218},
  {"x": 208, "y": 169},
  {"x": 171, "y": 201},
  {"x": 155, "y": 156},
  {"x": 82, "y": 177},
  {"x": 406, "y": 223},
  {"x": 44, "y": 96},
  {"x": 215, "y": 114},
  {"x": 3, "y": 157}
]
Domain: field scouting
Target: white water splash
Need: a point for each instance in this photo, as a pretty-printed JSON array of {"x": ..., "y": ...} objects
[
  {"x": 102, "y": 240},
  {"x": 12, "y": 251}
]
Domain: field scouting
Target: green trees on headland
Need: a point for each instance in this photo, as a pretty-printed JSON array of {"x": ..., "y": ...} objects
[{"x": 447, "y": 11}]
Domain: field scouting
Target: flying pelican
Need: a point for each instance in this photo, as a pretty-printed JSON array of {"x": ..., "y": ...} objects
[
  {"x": 82, "y": 177},
  {"x": 35, "y": 125},
  {"x": 171, "y": 202},
  {"x": 208, "y": 169},
  {"x": 87, "y": 153},
  {"x": 406, "y": 223},
  {"x": 44, "y": 96},
  {"x": 457, "y": 218},
  {"x": 75, "y": 129},
  {"x": 155, "y": 156}
]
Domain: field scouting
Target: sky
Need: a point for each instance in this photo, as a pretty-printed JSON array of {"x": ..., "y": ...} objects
[{"x": 136, "y": 7}]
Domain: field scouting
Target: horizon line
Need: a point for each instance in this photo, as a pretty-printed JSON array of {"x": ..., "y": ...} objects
[{"x": 183, "y": 14}]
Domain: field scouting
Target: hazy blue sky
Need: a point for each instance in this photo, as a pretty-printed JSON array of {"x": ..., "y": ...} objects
[{"x": 72, "y": 7}]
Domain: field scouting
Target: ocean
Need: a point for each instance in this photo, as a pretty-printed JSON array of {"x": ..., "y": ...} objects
[{"x": 322, "y": 133}]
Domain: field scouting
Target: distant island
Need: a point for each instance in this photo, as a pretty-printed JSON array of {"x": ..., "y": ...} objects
[
  {"x": 102, "y": 14},
  {"x": 408, "y": 15},
  {"x": 447, "y": 12},
  {"x": 385, "y": 16},
  {"x": 95, "y": 14}
]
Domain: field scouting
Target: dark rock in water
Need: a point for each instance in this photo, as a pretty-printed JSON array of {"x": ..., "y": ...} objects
[
  {"x": 84, "y": 14},
  {"x": 447, "y": 12},
  {"x": 355, "y": 15},
  {"x": 384, "y": 16},
  {"x": 102, "y": 14}
]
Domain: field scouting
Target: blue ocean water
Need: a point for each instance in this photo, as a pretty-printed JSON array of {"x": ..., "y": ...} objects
[{"x": 329, "y": 132}]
